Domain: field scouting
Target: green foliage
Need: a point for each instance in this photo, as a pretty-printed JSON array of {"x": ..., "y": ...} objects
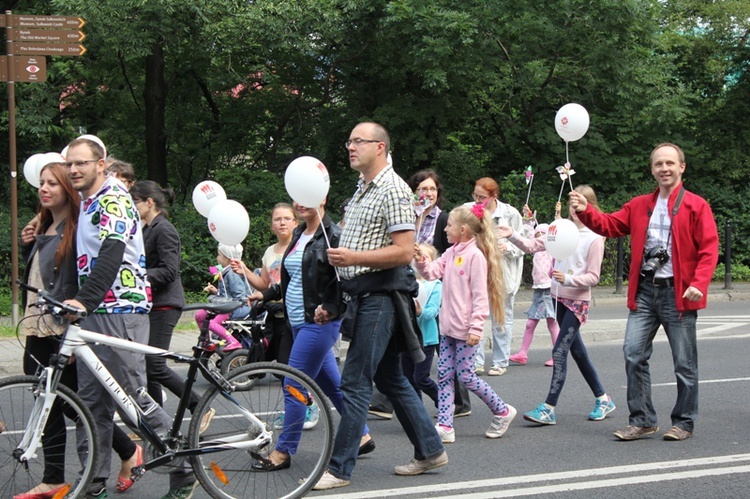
[
  {"x": 5, "y": 301},
  {"x": 740, "y": 273},
  {"x": 469, "y": 89}
]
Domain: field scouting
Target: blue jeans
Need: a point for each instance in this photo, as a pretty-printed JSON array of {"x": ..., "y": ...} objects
[
  {"x": 373, "y": 355},
  {"x": 654, "y": 307},
  {"x": 569, "y": 340},
  {"x": 419, "y": 374},
  {"x": 311, "y": 354},
  {"x": 501, "y": 336}
]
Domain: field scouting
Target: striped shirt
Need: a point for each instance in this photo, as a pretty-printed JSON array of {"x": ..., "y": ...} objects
[
  {"x": 294, "y": 299},
  {"x": 377, "y": 209}
]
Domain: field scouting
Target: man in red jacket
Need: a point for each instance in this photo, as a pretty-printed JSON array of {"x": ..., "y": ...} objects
[{"x": 674, "y": 250}]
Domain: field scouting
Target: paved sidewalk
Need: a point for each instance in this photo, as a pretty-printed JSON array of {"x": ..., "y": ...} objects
[{"x": 11, "y": 350}]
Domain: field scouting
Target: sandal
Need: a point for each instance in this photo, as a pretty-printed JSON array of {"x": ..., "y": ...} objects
[{"x": 123, "y": 484}]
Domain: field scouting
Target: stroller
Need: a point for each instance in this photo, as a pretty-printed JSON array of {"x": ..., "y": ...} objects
[{"x": 252, "y": 332}]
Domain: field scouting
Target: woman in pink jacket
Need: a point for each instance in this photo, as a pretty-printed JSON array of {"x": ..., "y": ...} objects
[
  {"x": 573, "y": 278},
  {"x": 472, "y": 284}
]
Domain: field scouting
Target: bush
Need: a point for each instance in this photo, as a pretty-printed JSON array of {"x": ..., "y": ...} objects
[{"x": 740, "y": 273}]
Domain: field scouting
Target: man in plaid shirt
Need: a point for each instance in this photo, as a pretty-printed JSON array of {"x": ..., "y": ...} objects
[{"x": 376, "y": 244}]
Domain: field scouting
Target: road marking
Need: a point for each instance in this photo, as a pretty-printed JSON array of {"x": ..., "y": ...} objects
[
  {"x": 662, "y": 466},
  {"x": 704, "y": 381},
  {"x": 598, "y": 484}
]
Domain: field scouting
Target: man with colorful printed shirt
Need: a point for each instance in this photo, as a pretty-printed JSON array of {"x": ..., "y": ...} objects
[{"x": 115, "y": 292}]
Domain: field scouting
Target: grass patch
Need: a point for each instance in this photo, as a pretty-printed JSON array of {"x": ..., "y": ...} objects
[{"x": 7, "y": 331}]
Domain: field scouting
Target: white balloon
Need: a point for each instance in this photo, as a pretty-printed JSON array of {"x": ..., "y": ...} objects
[
  {"x": 389, "y": 160},
  {"x": 307, "y": 181},
  {"x": 30, "y": 172},
  {"x": 229, "y": 222},
  {"x": 206, "y": 195},
  {"x": 572, "y": 122},
  {"x": 64, "y": 152},
  {"x": 562, "y": 239}
]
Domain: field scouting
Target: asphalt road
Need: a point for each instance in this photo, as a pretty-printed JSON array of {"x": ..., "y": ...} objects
[
  {"x": 580, "y": 457},
  {"x": 576, "y": 457}
]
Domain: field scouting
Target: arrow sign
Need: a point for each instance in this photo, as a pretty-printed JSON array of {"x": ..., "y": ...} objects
[
  {"x": 73, "y": 49},
  {"x": 49, "y": 22},
  {"x": 48, "y": 35}
]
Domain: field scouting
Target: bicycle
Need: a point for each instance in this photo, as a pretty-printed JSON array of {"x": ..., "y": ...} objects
[{"x": 248, "y": 404}]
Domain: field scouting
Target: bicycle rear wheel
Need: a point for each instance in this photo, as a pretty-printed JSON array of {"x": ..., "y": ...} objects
[
  {"x": 58, "y": 457},
  {"x": 228, "y": 473}
]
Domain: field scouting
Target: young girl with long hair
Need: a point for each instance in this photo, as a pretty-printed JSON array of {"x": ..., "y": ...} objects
[
  {"x": 573, "y": 278},
  {"x": 473, "y": 284}
]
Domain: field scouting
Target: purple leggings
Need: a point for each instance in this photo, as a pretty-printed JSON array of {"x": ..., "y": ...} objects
[{"x": 457, "y": 356}]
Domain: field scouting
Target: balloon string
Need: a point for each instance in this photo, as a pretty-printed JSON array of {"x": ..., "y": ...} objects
[
  {"x": 557, "y": 293},
  {"x": 328, "y": 243},
  {"x": 567, "y": 163},
  {"x": 559, "y": 197}
]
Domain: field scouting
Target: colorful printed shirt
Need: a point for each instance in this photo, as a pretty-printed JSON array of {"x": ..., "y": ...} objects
[{"x": 111, "y": 213}]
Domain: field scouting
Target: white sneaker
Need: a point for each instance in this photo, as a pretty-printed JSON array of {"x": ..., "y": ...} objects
[
  {"x": 328, "y": 481},
  {"x": 497, "y": 371},
  {"x": 447, "y": 436},
  {"x": 500, "y": 424}
]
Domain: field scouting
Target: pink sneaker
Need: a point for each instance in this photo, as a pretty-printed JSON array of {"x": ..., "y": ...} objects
[
  {"x": 232, "y": 345},
  {"x": 549, "y": 363},
  {"x": 518, "y": 358}
]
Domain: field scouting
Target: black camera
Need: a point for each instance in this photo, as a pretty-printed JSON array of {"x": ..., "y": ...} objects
[{"x": 655, "y": 258}]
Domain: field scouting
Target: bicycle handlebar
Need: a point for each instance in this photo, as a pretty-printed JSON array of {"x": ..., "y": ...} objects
[{"x": 57, "y": 308}]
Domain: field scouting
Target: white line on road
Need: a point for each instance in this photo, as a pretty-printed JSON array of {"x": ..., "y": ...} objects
[
  {"x": 704, "y": 382},
  {"x": 599, "y": 484},
  {"x": 571, "y": 475}
]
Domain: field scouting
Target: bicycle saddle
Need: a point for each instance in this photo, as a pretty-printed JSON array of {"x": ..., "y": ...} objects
[{"x": 216, "y": 306}]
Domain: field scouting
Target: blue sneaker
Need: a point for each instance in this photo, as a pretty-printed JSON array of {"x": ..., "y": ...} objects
[
  {"x": 601, "y": 409},
  {"x": 311, "y": 416},
  {"x": 543, "y": 414},
  {"x": 278, "y": 422}
]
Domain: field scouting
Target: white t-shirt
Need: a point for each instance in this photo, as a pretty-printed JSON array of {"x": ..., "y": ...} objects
[{"x": 659, "y": 228}]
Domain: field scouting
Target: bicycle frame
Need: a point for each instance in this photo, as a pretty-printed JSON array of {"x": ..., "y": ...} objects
[{"x": 75, "y": 343}]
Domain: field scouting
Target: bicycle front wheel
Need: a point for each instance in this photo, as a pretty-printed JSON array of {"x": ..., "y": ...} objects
[
  {"x": 56, "y": 458},
  {"x": 228, "y": 474}
]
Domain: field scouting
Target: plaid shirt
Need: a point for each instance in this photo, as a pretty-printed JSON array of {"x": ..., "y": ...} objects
[
  {"x": 427, "y": 229},
  {"x": 377, "y": 209}
]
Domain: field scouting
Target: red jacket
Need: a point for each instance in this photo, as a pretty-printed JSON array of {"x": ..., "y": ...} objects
[{"x": 695, "y": 241}]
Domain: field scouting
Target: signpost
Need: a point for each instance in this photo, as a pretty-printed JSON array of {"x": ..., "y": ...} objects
[{"x": 28, "y": 40}]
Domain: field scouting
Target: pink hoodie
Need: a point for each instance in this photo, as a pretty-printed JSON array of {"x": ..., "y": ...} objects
[{"x": 466, "y": 305}]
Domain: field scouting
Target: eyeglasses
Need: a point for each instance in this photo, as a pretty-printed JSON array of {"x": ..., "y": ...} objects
[
  {"x": 136, "y": 201},
  {"x": 358, "y": 142},
  {"x": 79, "y": 164},
  {"x": 278, "y": 220},
  {"x": 422, "y": 190},
  {"x": 478, "y": 197}
]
